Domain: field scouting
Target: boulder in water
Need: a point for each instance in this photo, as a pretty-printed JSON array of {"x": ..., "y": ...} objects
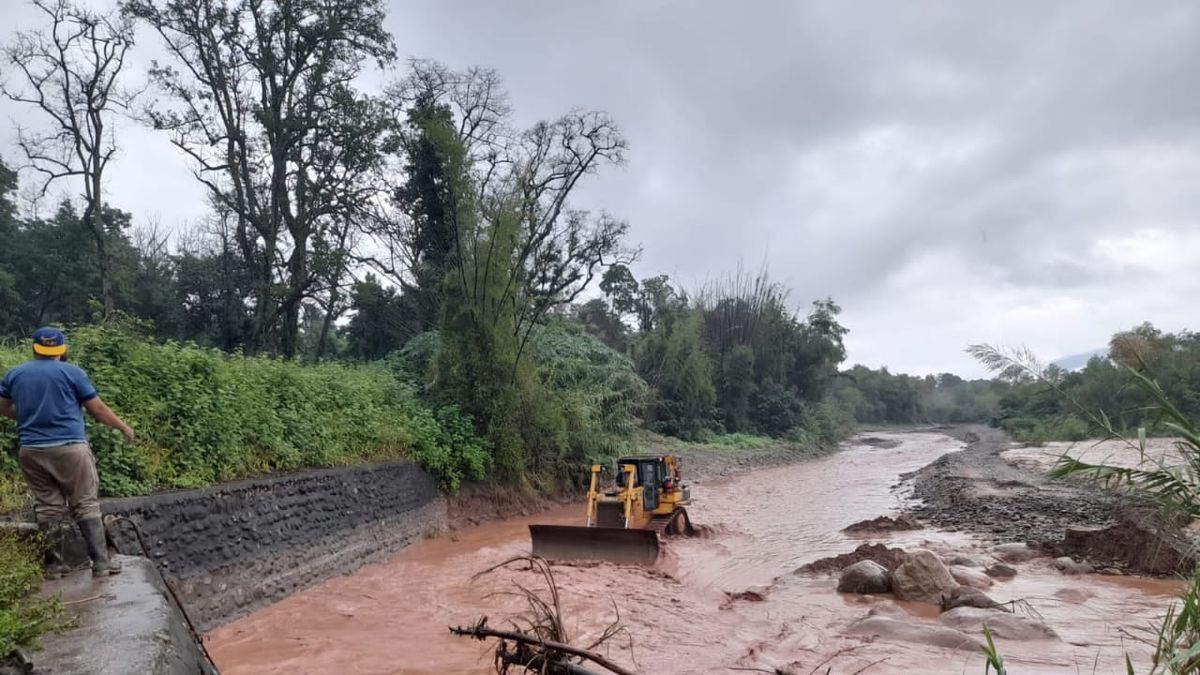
[
  {"x": 964, "y": 561},
  {"x": 908, "y": 630},
  {"x": 1070, "y": 566},
  {"x": 1075, "y": 596},
  {"x": 1001, "y": 624},
  {"x": 1000, "y": 571},
  {"x": 864, "y": 577},
  {"x": 922, "y": 577},
  {"x": 970, "y": 577},
  {"x": 1014, "y": 553},
  {"x": 965, "y": 596}
]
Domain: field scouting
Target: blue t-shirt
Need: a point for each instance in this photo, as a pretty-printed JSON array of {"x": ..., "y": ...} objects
[{"x": 48, "y": 395}]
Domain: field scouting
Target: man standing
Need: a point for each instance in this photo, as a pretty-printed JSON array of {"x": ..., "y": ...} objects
[{"x": 45, "y": 396}]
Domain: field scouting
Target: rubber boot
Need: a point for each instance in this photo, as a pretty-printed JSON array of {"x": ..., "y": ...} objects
[
  {"x": 97, "y": 547},
  {"x": 53, "y": 563}
]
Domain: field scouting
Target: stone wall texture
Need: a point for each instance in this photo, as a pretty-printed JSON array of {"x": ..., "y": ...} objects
[{"x": 233, "y": 548}]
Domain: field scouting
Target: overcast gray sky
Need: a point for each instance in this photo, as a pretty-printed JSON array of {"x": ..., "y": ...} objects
[{"x": 949, "y": 172}]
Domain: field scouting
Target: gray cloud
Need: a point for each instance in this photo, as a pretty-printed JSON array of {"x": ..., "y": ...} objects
[{"x": 950, "y": 172}]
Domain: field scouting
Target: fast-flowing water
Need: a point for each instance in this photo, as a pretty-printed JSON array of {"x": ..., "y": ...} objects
[{"x": 685, "y": 614}]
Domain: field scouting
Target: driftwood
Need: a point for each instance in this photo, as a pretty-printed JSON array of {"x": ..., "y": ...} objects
[
  {"x": 481, "y": 632},
  {"x": 531, "y": 660},
  {"x": 536, "y": 640}
]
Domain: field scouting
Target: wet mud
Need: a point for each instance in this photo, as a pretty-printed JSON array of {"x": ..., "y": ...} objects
[{"x": 730, "y": 599}]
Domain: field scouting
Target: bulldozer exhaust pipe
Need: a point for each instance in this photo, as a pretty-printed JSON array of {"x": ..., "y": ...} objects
[{"x": 611, "y": 544}]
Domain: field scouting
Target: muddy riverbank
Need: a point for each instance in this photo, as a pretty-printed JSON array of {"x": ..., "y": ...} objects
[
  {"x": 998, "y": 490},
  {"x": 977, "y": 491},
  {"x": 730, "y": 599}
]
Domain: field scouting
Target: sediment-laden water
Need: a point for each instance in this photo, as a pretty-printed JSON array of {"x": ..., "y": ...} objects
[{"x": 685, "y": 614}]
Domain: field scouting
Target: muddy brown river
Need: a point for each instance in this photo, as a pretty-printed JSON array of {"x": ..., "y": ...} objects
[{"x": 392, "y": 618}]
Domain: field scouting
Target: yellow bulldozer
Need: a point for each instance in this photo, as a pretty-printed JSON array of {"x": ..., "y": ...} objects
[{"x": 624, "y": 523}]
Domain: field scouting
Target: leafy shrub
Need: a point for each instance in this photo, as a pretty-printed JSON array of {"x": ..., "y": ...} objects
[
  {"x": 775, "y": 409},
  {"x": 571, "y": 400},
  {"x": 22, "y": 616},
  {"x": 597, "y": 388},
  {"x": 203, "y": 416},
  {"x": 414, "y": 361},
  {"x": 1033, "y": 431}
]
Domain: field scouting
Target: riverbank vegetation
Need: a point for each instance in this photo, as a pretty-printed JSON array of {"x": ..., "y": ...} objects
[{"x": 23, "y": 615}]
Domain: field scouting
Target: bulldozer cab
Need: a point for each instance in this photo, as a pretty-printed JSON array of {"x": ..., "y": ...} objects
[{"x": 649, "y": 473}]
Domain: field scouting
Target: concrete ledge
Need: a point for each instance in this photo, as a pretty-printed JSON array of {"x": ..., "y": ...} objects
[
  {"x": 124, "y": 624},
  {"x": 232, "y": 548}
]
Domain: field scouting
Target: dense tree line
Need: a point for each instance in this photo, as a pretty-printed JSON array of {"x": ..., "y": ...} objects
[
  {"x": 882, "y": 397},
  {"x": 732, "y": 357},
  {"x": 1047, "y": 403}
]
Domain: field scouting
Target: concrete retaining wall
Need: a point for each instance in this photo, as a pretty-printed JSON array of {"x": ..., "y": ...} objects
[{"x": 232, "y": 548}]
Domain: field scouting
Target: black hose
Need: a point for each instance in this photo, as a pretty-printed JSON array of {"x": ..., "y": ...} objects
[{"x": 209, "y": 666}]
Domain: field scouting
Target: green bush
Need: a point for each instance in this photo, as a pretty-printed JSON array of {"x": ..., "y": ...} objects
[
  {"x": 414, "y": 361},
  {"x": 597, "y": 388},
  {"x": 549, "y": 407},
  {"x": 775, "y": 409},
  {"x": 23, "y": 617},
  {"x": 1033, "y": 431},
  {"x": 203, "y": 416},
  {"x": 826, "y": 422}
]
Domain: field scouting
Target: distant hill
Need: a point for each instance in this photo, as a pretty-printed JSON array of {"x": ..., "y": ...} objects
[{"x": 1078, "y": 361}]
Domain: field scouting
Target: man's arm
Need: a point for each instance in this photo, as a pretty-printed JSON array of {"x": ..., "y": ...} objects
[
  {"x": 8, "y": 408},
  {"x": 104, "y": 415}
]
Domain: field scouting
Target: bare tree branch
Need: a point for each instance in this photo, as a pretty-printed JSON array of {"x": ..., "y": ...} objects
[
  {"x": 69, "y": 73},
  {"x": 261, "y": 97}
]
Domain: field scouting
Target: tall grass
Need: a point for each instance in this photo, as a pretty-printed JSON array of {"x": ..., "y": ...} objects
[
  {"x": 23, "y": 615},
  {"x": 995, "y": 662}
]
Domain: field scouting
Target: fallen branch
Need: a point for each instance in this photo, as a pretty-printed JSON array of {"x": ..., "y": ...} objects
[
  {"x": 536, "y": 662},
  {"x": 481, "y": 632}
]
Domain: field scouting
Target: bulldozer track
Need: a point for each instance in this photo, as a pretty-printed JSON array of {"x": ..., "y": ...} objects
[
  {"x": 660, "y": 524},
  {"x": 665, "y": 525}
]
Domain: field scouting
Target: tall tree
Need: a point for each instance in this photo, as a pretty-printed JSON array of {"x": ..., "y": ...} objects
[
  {"x": 818, "y": 351},
  {"x": 68, "y": 71},
  {"x": 49, "y": 261},
  {"x": 262, "y": 97},
  {"x": 9, "y": 299},
  {"x": 382, "y": 320},
  {"x": 673, "y": 362},
  {"x": 530, "y": 174},
  {"x": 427, "y": 198}
]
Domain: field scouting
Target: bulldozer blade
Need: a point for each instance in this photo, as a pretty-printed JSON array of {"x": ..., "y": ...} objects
[{"x": 612, "y": 544}]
